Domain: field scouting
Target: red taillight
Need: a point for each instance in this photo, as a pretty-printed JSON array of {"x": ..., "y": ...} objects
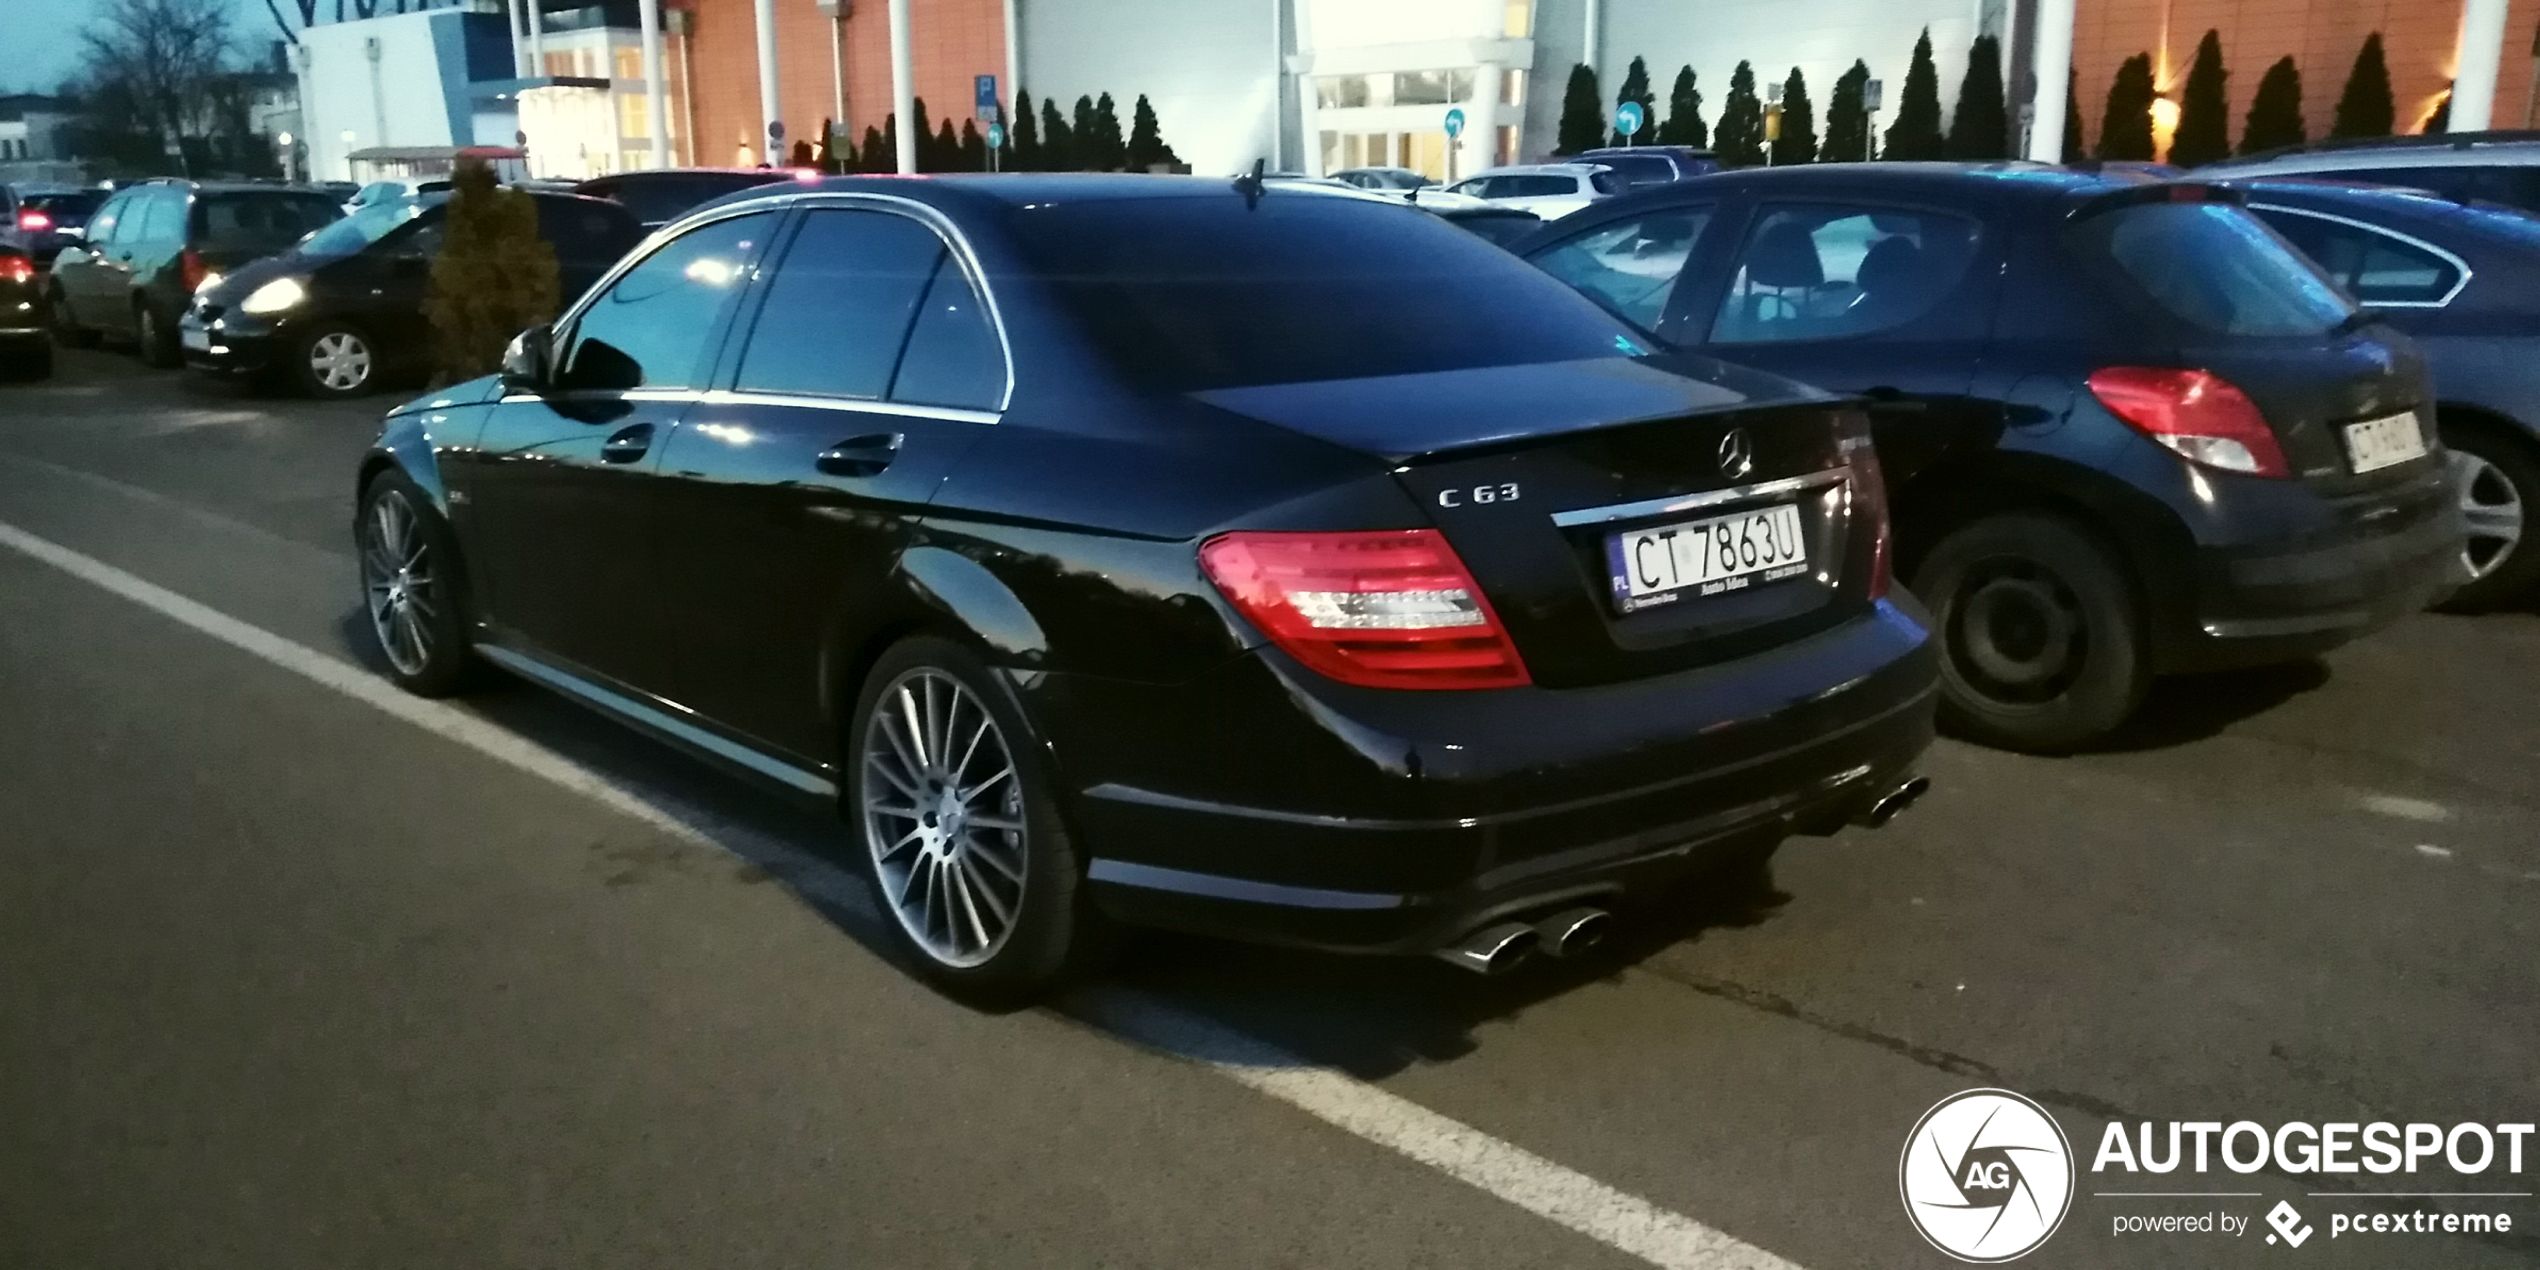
[
  {"x": 191, "y": 270},
  {"x": 1869, "y": 503},
  {"x": 32, "y": 220},
  {"x": 2197, "y": 413},
  {"x": 1389, "y": 609},
  {"x": 16, "y": 269}
]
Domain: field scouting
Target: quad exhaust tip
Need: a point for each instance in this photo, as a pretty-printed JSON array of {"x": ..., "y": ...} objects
[{"x": 1893, "y": 803}]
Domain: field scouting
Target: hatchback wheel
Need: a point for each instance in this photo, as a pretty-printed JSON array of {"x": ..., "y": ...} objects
[
  {"x": 953, "y": 807},
  {"x": 335, "y": 361},
  {"x": 67, "y": 331},
  {"x": 152, "y": 337},
  {"x": 412, "y": 588},
  {"x": 2498, "y": 482},
  {"x": 2041, "y": 636}
]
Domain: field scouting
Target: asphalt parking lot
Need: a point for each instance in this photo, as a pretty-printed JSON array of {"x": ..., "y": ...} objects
[{"x": 300, "y": 973}]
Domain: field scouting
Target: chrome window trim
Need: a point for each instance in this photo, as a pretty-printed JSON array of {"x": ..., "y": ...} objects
[
  {"x": 2412, "y": 240},
  {"x": 1695, "y": 502},
  {"x": 747, "y": 397}
]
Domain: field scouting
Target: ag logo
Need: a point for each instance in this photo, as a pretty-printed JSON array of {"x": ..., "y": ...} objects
[{"x": 1986, "y": 1175}]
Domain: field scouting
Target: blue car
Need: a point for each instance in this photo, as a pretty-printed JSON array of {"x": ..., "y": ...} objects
[
  {"x": 2127, "y": 430},
  {"x": 2463, "y": 280}
]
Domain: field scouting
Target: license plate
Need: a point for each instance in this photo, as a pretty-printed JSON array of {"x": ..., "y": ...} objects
[
  {"x": 1665, "y": 563},
  {"x": 195, "y": 337},
  {"x": 2380, "y": 443}
]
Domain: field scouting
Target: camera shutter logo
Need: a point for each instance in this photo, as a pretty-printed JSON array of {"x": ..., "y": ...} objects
[{"x": 1987, "y": 1176}]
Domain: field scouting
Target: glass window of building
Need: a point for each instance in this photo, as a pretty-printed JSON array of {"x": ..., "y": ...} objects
[
  {"x": 1520, "y": 19},
  {"x": 629, "y": 62},
  {"x": 1512, "y": 86}
]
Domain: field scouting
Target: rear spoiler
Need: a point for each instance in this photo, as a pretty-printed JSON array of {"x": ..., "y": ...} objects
[{"x": 2156, "y": 192}]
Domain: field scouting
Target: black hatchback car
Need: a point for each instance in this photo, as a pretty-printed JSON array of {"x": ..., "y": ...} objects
[
  {"x": 1111, "y": 548},
  {"x": 2127, "y": 430},
  {"x": 342, "y": 311},
  {"x": 2463, "y": 281},
  {"x": 26, "y": 351},
  {"x": 150, "y": 246},
  {"x": 658, "y": 196}
]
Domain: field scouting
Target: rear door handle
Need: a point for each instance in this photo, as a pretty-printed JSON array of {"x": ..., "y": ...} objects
[
  {"x": 860, "y": 456},
  {"x": 627, "y": 444}
]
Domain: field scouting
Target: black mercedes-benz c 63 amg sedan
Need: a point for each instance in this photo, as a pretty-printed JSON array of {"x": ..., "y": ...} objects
[{"x": 1170, "y": 552}]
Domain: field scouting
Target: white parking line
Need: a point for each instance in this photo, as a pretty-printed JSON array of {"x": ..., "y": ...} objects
[{"x": 1610, "y": 1216}]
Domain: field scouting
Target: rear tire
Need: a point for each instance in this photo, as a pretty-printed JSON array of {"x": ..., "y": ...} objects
[
  {"x": 414, "y": 588},
  {"x": 953, "y": 812},
  {"x": 2041, "y": 637},
  {"x": 153, "y": 337},
  {"x": 2498, "y": 480},
  {"x": 67, "y": 331}
]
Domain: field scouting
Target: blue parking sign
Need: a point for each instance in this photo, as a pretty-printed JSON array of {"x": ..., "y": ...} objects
[{"x": 986, "y": 97}]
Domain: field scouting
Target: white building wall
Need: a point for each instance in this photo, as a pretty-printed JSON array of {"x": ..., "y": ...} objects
[
  {"x": 397, "y": 100},
  {"x": 1209, "y": 67}
]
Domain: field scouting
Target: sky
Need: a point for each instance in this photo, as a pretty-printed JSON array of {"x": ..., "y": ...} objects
[{"x": 44, "y": 38}]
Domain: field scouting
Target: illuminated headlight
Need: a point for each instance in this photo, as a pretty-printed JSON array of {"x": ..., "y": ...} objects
[
  {"x": 210, "y": 280},
  {"x": 275, "y": 296}
]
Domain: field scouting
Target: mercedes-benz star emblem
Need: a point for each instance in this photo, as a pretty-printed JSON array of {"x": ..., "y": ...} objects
[{"x": 1737, "y": 454}]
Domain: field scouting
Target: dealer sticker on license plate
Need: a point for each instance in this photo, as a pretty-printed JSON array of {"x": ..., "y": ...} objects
[
  {"x": 1665, "y": 563},
  {"x": 2380, "y": 443}
]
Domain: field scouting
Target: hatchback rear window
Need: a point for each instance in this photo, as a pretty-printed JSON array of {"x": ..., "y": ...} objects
[
  {"x": 2217, "y": 268},
  {"x": 259, "y": 222},
  {"x": 1191, "y": 294},
  {"x": 1638, "y": 170}
]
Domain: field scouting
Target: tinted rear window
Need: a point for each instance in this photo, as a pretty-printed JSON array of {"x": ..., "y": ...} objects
[
  {"x": 1638, "y": 170},
  {"x": 1198, "y": 293},
  {"x": 259, "y": 222},
  {"x": 68, "y": 209},
  {"x": 2216, "y": 268}
]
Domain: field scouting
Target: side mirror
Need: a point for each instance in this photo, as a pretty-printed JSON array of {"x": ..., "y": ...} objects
[{"x": 525, "y": 361}]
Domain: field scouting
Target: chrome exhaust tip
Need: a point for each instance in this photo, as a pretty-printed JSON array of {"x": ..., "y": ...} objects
[
  {"x": 1893, "y": 803},
  {"x": 1573, "y": 931},
  {"x": 1493, "y": 949}
]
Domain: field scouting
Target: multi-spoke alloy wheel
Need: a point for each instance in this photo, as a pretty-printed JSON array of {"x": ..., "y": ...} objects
[
  {"x": 2496, "y": 476},
  {"x": 404, "y": 597},
  {"x": 944, "y": 817},
  {"x": 338, "y": 363},
  {"x": 2491, "y": 508}
]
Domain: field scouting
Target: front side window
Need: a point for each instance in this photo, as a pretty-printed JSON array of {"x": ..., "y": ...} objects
[
  {"x": 1825, "y": 271},
  {"x": 2215, "y": 267},
  {"x": 839, "y": 305},
  {"x": 2374, "y": 267},
  {"x": 1631, "y": 267},
  {"x": 648, "y": 329}
]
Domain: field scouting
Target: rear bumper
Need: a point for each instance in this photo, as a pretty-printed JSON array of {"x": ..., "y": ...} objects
[
  {"x": 1267, "y": 804},
  {"x": 2302, "y": 597}
]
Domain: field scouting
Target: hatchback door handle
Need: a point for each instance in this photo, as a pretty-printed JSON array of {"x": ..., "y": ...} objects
[
  {"x": 627, "y": 444},
  {"x": 860, "y": 456}
]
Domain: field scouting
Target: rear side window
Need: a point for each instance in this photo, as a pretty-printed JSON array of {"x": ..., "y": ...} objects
[
  {"x": 260, "y": 222},
  {"x": 839, "y": 307},
  {"x": 649, "y": 328},
  {"x": 587, "y": 229},
  {"x": 2374, "y": 267},
  {"x": 1602, "y": 183},
  {"x": 1639, "y": 170},
  {"x": 161, "y": 218},
  {"x": 656, "y": 200},
  {"x": 1631, "y": 267},
  {"x": 1832, "y": 271},
  {"x": 2215, "y": 267},
  {"x": 953, "y": 358}
]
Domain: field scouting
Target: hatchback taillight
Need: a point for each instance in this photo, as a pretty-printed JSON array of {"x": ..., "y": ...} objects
[
  {"x": 190, "y": 268},
  {"x": 33, "y": 221},
  {"x": 1386, "y": 609},
  {"x": 2197, "y": 413},
  {"x": 16, "y": 269}
]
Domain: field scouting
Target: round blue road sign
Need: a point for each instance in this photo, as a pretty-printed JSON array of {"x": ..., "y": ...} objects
[
  {"x": 1628, "y": 118},
  {"x": 996, "y": 136},
  {"x": 1455, "y": 122}
]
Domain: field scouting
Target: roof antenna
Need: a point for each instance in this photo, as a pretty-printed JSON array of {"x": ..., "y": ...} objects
[{"x": 1250, "y": 185}]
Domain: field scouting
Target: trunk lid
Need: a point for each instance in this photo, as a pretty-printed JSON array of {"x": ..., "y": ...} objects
[
  {"x": 2312, "y": 392},
  {"x": 1552, "y": 482}
]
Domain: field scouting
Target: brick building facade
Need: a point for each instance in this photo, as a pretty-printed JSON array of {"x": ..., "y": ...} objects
[{"x": 950, "y": 41}]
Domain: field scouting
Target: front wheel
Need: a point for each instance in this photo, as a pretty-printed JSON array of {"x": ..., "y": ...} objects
[
  {"x": 2041, "y": 636},
  {"x": 412, "y": 588},
  {"x": 2497, "y": 480},
  {"x": 334, "y": 361},
  {"x": 955, "y": 814},
  {"x": 152, "y": 337}
]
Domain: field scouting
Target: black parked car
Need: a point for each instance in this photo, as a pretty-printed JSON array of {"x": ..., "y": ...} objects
[
  {"x": 1109, "y": 547},
  {"x": 1501, "y": 225},
  {"x": 658, "y": 196},
  {"x": 1641, "y": 166},
  {"x": 2127, "y": 430},
  {"x": 2464, "y": 282},
  {"x": 152, "y": 244},
  {"x": 25, "y": 352},
  {"x": 53, "y": 219},
  {"x": 339, "y": 312}
]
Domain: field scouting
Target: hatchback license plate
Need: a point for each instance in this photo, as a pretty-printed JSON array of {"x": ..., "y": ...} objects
[
  {"x": 1664, "y": 563},
  {"x": 2379, "y": 443},
  {"x": 195, "y": 338}
]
